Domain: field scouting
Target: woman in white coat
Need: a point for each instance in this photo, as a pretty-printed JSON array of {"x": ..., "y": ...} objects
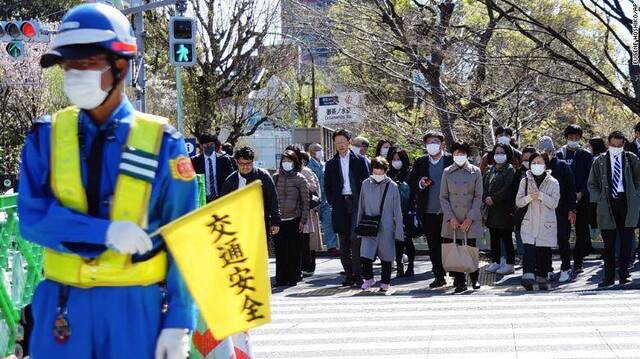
[{"x": 540, "y": 193}]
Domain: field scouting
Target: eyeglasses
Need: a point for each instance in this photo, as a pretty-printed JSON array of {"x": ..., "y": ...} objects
[{"x": 245, "y": 164}]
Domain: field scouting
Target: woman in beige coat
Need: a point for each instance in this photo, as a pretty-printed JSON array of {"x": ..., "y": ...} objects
[{"x": 539, "y": 193}]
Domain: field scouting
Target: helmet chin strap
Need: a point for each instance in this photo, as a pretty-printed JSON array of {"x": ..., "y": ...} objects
[{"x": 117, "y": 77}]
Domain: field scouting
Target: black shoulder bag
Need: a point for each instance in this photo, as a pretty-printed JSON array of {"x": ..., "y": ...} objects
[
  {"x": 520, "y": 212},
  {"x": 370, "y": 225}
]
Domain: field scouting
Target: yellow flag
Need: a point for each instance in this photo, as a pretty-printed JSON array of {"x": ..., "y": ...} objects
[{"x": 221, "y": 251}]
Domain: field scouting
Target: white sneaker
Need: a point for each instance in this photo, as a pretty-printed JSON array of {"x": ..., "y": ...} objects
[
  {"x": 493, "y": 267},
  {"x": 565, "y": 276},
  {"x": 505, "y": 269},
  {"x": 405, "y": 259}
]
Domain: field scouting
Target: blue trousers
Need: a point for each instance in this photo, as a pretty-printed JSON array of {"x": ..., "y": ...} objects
[
  {"x": 330, "y": 238},
  {"x": 105, "y": 322}
]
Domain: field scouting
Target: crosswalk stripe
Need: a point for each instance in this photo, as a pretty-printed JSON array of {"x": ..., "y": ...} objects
[{"x": 582, "y": 354}]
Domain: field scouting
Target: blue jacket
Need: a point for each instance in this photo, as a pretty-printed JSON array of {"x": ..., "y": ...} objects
[
  {"x": 318, "y": 168},
  {"x": 581, "y": 167},
  {"x": 43, "y": 220},
  {"x": 561, "y": 171},
  {"x": 333, "y": 184}
]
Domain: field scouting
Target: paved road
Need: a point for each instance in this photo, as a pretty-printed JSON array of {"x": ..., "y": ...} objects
[{"x": 320, "y": 320}]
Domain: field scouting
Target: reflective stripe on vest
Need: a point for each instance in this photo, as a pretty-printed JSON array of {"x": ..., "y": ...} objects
[{"x": 137, "y": 170}]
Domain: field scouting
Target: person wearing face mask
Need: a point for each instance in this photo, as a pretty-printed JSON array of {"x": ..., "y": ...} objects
[
  {"x": 247, "y": 172},
  {"x": 293, "y": 200},
  {"x": 498, "y": 198},
  {"x": 614, "y": 184},
  {"x": 504, "y": 135},
  {"x": 380, "y": 192},
  {"x": 382, "y": 149},
  {"x": 317, "y": 165},
  {"x": 566, "y": 210},
  {"x": 95, "y": 179},
  {"x": 538, "y": 194},
  {"x": 425, "y": 179},
  {"x": 214, "y": 166},
  {"x": 361, "y": 145},
  {"x": 461, "y": 200},
  {"x": 580, "y": 162},
  {"x": 520, "y": 174},
  {"x": 399, "y": 173}
]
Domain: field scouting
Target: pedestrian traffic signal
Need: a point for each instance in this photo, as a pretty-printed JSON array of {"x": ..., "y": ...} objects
[
  {"x": 182, "y": 41},
  {"x": 16, "y": 49}
]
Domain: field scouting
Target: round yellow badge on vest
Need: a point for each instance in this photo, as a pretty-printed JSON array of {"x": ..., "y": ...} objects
[{"x": 182, "y": 169}]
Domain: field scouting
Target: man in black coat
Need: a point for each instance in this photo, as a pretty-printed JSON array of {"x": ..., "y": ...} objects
[
  {"x": 248, "y": 173},
  {"x": 214, "y": 166},
  {"x": 425, "y": 179},
  {"x": 580, "y": 162},
  {"x": 566, "y": 210},
  {"x": 344, "y": 174},
  {"x": 634, "y": 147}
]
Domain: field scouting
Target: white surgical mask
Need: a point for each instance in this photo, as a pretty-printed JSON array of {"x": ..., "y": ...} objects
[
  {"x": 500, "y": 158},
  {"x": 616, "y": 150},
  {"x": 505, "y": 140},
  {"x": 460, "y": 160},
  {"x": 525, "y": 164},
  {"x": 384, "y": 151},
  {"x": 84, "y": 87},
  {"x": 537, "y": 170},
  {"x": 287, "y": 166},
  {"x": 396, "y": 164},
  {"x": 320, "y": 155},
  {"x": 433, "y": 149},
  {"x": 377, "y": 178},
  {"x": 573, "y": 145}
]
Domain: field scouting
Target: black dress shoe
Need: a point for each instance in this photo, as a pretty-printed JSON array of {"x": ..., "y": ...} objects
[
  {"x": 292, "y": 284},
  {"x": 439, "y": 282},
  {"x": 475, "y": 285},
  {"x": 347, "y": 283},
  {"x": 624, "y": 280},
  {"x": 606, "y": 283},
  {"x": 527, "y": 284},
  {"x": 358, "y": 282},
  {"x": 460, "y": 289},
  {"x": 279, "y": 284}
]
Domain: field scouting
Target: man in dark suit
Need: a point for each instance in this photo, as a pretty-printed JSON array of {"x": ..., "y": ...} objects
[
  {"x": 215, "y": 167},
  {"x": 580, "y": 162},
  {"x": 566, "y": 210},
  {"x": 425, "y": 179},
  {"x": 634, "y": 147},
  {"x": 344, "y": 174}
]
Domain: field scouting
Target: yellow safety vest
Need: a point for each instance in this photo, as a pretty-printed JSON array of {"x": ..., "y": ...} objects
[{"x": 130, "y": 202}]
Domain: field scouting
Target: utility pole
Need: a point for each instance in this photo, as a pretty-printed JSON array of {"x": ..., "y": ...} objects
[{"x": 139, "y": 82}]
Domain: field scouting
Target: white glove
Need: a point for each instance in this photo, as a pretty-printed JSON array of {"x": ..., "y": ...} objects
[
  {"x": 128, "y": 238},
  {"x": 173, "y": 343}
]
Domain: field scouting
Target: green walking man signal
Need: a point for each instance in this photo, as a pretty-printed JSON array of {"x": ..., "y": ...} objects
[{"x": 182, "y": 41}]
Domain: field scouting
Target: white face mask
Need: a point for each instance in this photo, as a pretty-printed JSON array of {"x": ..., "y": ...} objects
[
  {"x": 384, "y": 151},
  {"x": 505, "y": 140},
  {"x": 320, "y": 155},
  {"x": 525, "y": 164},
  {"x": 396, "y": 164},
  {"x": 500, "y": 158},
  {"x": 84, "y": 87},
  {"x": 460, "y": 160},
  {"x": 433, "y": 149},
  {"x": 616, "y": 150},
  {"x": 537, "y": 170},
  {"x": 573, "y": 145},
  {"x": 377, "y": 178},
  {"x": 287, "y": 166}
]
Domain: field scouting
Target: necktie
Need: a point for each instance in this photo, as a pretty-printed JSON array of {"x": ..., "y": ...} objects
[
  {"x": 212, "y": 179},
  {"x": 95, "y": 174},
  {"x": 617, "y": 177}
]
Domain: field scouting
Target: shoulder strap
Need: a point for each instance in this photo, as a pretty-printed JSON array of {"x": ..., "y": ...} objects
[
  {"x": 384, "y": 196},
  {"x": 526, "y": 185}
]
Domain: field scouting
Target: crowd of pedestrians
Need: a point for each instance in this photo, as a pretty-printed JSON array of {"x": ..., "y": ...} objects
[{"x": 367, "y": 208}]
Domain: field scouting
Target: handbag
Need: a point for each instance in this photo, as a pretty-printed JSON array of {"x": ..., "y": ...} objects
[
  {"x": 370, "y": 225},
  {"x": 519, "y": 213},
  {"x": 460, "y": 258},
  {"x": 314, "y": 200}
]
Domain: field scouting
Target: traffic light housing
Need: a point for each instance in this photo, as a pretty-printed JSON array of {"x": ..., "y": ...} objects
[
  {"x": 182, "y": 41},
  {"x": 19, "y": 30}
]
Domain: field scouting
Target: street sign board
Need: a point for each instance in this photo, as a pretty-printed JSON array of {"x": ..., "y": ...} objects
[
  {"x": 339, "y": 108},
  {"x": 190, "y": 145}
]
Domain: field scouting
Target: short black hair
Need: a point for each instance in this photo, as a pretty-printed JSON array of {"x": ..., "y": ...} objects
[
  {"x": 544, "y": 156},
  {"x": 245, "y": 153},
  {"x": 209, "y": 137},
  {"x": 597, "y": 146},
  {"x": 507, "y": 150},
  {"x": 433, "y": 134},
  {"x": 572, "y": 129},
  {"x": 304, "y": 156},
  {"x": 501, "y": 129},
  {"x": 528, "y": 149},
  {"x": 637, "y": 127},
  {"x": 618, "y": 135},
  {"x": 228, "y": 148},
  {"x": 342, "y": 132},
  {"x": 461, "y": 146},
  {"x": 295, "y": 148},
  {"x": 380, "y": 163}
]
